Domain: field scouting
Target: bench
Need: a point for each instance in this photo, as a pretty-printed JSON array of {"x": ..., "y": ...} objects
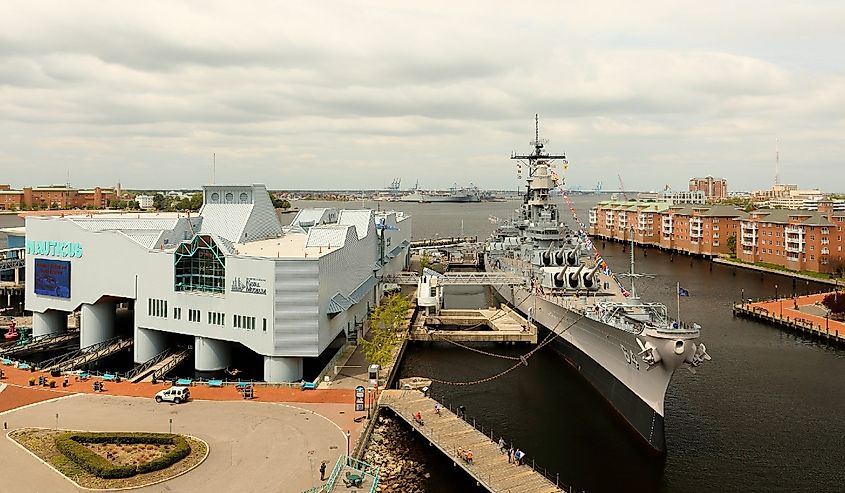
[
  {"x": 184, "y": 382},
  {"x": 215, "y": 383},
  {"x": 7, "y": 361},
  {"x": 23, "y": 366},
  {"x": 108, "y": 377},
  {"x": 309, "y": 385},
  {"x": 84, "y": 376}
]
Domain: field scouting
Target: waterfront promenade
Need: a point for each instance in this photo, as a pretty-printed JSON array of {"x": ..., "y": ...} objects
[
  {"x": 490, "y": 467},
  {"x": 804, "y": 314}
]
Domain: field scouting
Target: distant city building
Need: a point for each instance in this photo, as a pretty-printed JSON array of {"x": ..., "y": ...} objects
[
  {"x": 56, "y": 197},
  {"x": 144, "y": 201},
  {"x": 674, "y": 197},
  {"x": 713, "y": 188}
]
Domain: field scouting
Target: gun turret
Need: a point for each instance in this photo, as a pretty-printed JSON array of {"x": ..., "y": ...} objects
[
  {"x": 588, "y": 280},
  {"x": 547, "y": 257},
  {"x": 574, "y": 278}
]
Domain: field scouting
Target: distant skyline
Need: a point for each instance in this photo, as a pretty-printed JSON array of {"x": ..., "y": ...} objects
[{"x": 350, "y": 95}]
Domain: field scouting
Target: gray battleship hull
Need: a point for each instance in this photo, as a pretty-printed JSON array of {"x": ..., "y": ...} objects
[{"x": 607, "y": 358}]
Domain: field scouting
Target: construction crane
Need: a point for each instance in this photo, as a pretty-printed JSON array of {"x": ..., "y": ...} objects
[{"x": 622, "y": 187}]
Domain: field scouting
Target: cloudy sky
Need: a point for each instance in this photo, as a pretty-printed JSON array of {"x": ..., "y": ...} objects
[{"x": 352, "y": 94}]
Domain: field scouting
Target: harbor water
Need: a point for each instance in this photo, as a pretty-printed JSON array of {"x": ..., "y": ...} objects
[{"x": 766, "y": 414}]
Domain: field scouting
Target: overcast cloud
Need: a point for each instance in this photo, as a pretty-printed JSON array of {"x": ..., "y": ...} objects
[{"x": 352, "y": 94}]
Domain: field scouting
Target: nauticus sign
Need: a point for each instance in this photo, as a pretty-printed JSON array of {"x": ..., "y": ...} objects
[
  {"x": 251, "y": 286},
  {"x": 54, "y": 248}
]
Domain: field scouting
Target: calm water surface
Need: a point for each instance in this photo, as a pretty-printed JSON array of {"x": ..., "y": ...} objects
[{"x": 766, "y": 414}]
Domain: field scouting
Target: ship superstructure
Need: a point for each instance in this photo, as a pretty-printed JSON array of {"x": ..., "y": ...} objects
[{"x": 626, "y": 347}]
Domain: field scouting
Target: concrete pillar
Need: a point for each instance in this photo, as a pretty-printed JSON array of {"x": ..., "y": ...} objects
[
  {"x": 211, "y": 354},
  {"x": 98, "y": 323},
  {"x": 49, "y": 322},
  {"x": 282, "y": 369},
  {"x": 148, "y": 343}
]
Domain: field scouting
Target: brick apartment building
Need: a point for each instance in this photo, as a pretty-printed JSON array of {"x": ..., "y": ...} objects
[
  {"x": 713, "y": 188},
  {"x": 796, "y": 239},
  {"x": 690, "y": 228},
  {"x": 60, "y": 196}
]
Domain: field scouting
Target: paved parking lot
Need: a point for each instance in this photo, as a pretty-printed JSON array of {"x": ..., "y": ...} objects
[{"x": 261, "y": 447}]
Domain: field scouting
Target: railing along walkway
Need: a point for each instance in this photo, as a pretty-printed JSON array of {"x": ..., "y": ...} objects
[{"x": 447, "y": 432}]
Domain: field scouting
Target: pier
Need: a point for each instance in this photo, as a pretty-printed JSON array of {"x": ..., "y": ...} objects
[
  {"x": 486, "y": 325},
  {"x": 436, "y": 242},
  {"x": 800, "y": 315},
  {"x": 448, "y": 432}
]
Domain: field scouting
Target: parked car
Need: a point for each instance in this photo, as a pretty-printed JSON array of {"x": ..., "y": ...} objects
[{"x": 177, "y": 395}]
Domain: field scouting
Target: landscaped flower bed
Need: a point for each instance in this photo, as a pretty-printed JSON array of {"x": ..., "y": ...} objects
[
  {"x": 141, "y": 452},
  {"x": 114, "y": 460}
]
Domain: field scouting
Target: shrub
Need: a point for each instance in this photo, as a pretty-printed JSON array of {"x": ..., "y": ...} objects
[{"x": 71, "y": 445}]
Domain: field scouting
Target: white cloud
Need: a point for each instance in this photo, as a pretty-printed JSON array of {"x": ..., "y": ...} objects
[{"x": 350, "y": 94}]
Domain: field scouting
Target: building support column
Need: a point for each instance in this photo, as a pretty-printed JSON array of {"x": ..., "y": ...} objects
[
  {"x": 211, "y": 354},
  {"x": 98, "y": 323},
  {"x": 148, "y": 343},
  {"x": 50, "y": 322},
  {"x": 279, "y": 369}
]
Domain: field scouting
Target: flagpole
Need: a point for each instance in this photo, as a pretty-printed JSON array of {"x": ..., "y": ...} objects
[{"x": 678, "y": 294}]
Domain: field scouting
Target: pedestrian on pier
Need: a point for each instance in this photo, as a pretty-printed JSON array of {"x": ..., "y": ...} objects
[
  {"x": 323, "y": 471},
  {"x": 510, "y": 454},
  {"x": 501, "y": 445},
  {"x": 517, "y": 457},
  {"x": 462, "y": 411}
]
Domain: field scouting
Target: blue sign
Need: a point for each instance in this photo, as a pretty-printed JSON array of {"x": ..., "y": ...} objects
[
  {"x": 54, "y": 248},
  {"x": 359, "y": 398},
  {"x": 52, "y": 277}
]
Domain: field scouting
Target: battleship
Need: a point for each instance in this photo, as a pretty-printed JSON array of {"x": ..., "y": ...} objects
[{"x": 627, "y": 348}]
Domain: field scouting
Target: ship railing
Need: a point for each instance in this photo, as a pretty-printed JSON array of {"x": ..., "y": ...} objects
[{"x": 494, "y": 437}]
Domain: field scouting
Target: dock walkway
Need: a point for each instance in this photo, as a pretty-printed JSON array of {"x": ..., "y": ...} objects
[
  {"x": 503, "y": 325},
  {"x": 447, "y": 432},
  {"x": 795, "y": 314}
]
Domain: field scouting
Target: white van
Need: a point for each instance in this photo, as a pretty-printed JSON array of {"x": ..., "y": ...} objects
[{"x": 176, "y": 395}]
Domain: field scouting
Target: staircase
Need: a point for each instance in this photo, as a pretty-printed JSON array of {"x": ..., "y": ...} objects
[{"x": 88, "y": 354}]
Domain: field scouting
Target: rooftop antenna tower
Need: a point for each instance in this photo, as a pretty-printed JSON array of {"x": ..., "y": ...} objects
[
  {"x": 777, "y": 161},
  {"x": 213, "y": 167}
]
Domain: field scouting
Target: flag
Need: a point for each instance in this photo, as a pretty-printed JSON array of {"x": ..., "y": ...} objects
[
  {"x": 682, "y": 291},
  {"x": 625, "y": 292}
]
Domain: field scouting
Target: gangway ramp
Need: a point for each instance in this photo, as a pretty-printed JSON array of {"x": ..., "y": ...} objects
[
  {"x": 490, "y": 467},
  {"x": 459, "y": 278},
  {"x": 88, "y": 354},
  {"x": 41, "y": 343},
  {"x": 163, "y": 367}
]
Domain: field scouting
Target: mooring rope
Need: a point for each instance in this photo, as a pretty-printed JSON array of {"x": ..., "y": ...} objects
[{"x": 523, "y": 360}]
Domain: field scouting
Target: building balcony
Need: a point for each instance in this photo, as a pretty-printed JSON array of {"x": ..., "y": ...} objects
[
  {"x": 748, "y": 243},
  {"x": 794, "y": 230}
]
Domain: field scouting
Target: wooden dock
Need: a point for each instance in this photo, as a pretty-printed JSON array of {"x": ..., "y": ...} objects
[
  {"x": 782, "y": 313},
  {"x": 447, "y": 432}
]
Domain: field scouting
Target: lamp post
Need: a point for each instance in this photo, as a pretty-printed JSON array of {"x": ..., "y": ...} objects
[
  {"x": 171, "y": 425},
  {"x": 348, "y": 434},
  {"x": 776, "y": 291}
]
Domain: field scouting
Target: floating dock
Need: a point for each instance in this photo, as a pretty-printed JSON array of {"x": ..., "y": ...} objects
[
  {"x": 486, "y": 325},
  {"x": 802, "y": 315},
  {"x": 447, "y": 432}
]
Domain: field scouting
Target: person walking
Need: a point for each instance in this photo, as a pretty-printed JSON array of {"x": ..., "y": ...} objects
[
  {"x": 517, "y": 457},
  {"x": 510, "y": 454},
  {"x": 501, "y": 445},
  {"x": 323, "y": 471}
]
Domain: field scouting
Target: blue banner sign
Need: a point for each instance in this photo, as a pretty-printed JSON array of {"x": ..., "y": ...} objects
[
  {"x": 52, "y": 277},
  {"x": 359, "y": 398},
  {"x": 54, "y": 248}
]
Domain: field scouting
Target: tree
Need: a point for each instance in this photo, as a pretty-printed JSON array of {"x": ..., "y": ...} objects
[
  {"x": 279, "y": 203},
  {"x": 385, "y": 324},
  {"x": 425, "y": 262},
  {"x": 835, "y": 302},
  {"x": 159, "y": 202},
  {"x": 732, "y": 244}
]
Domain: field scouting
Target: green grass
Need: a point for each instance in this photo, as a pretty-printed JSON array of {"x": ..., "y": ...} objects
[{"x": 817, "y": 275}]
